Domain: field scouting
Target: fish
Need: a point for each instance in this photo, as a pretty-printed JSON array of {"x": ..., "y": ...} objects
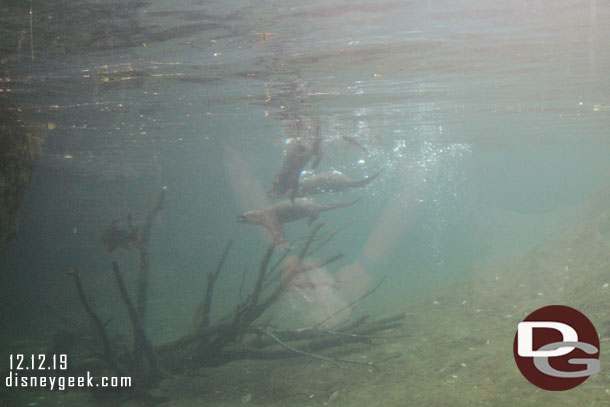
[
  {"x": 272, "y": 217},
  {"x": 117, "y": 238}
]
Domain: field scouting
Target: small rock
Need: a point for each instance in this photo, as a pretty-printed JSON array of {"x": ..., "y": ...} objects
[{"x": 247, "y": 398}]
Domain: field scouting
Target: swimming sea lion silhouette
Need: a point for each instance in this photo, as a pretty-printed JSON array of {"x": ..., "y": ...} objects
[
  {"x": 332, "y": 181},
  {"x": 299, "y": 151},
  {"x": 272, "y": 217}
]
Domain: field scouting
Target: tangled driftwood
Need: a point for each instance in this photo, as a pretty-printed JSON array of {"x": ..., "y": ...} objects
[{"x": 241, "y": 334}]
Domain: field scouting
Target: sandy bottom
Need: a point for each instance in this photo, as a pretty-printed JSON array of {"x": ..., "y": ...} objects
[{"x": 455, "y": 348}]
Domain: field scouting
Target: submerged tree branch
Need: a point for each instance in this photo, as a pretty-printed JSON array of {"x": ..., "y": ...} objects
[
  {"x": 144, "y": 266},
  {"x": 351, "y": 304},
  {"x": 212, "y": 276},
  {"x": 236, "y": 336},
  {"x": 141, "y": 343},
  {"x": 261, "y": 276},
  {"x": 295, "y": 350},
  {"x": 309, "y": 240},
  {"x": 323, "y": 240},
  {"x": 97, "y": 322}
]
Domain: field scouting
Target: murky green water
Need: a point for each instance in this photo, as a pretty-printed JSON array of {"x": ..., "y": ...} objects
[{"x": 489, "y": 120}]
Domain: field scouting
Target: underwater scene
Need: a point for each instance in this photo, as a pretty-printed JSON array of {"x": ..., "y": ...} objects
[{"x": 286, "y": 203}]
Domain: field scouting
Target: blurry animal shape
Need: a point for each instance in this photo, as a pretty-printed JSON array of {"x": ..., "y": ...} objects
[
  {"x": 117, "y": 238},
  {"x": 273, "y": 216},
  {"x": 332, "y": 181},
  {"x": 305, "y": 144},
  {"x": 355, "y": 143}
]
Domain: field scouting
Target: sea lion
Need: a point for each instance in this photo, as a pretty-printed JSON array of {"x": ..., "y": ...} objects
[
  {"x": 299, "y": 151},
  {"x": 287, "y": 211},
  {"x": 332, "y": 181}
]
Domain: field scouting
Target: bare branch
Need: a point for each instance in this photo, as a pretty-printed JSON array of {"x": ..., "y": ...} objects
[
  {"x": 212, "y": 276},
  {"x": 241, "y": 286},
  {"x": 313, "y": 355},
  {"x": 270, "y": 277},
  {"x": 144, "y": 266},
  {"x": 261, "y": 275},
  {"x": 295, "y": 350},
  {"x": 351, "y": 304},
  {"x": 97, "y": 322},
  {"x": 309, "y": 240},
  {"x": 323, "y": 240},
  {"x": 141, "y": 343}
]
